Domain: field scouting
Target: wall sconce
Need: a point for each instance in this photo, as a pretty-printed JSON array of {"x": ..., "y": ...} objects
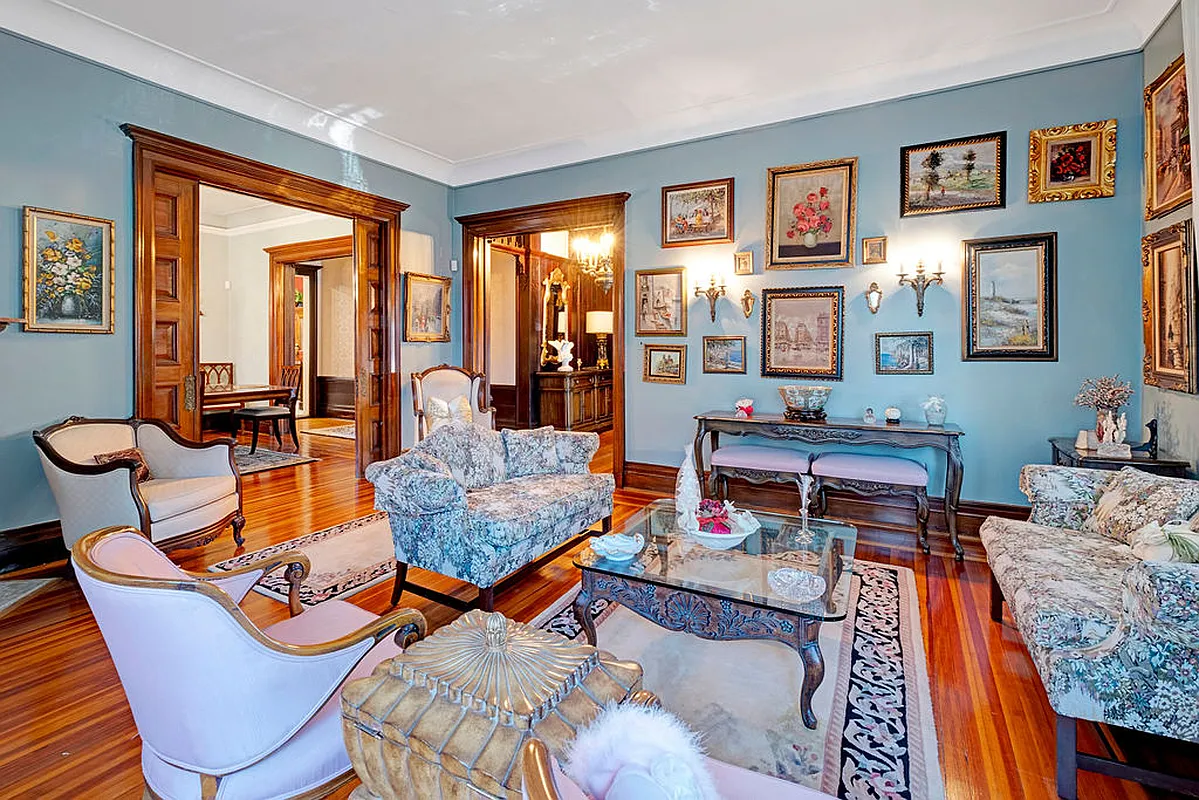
[
  {"x": 874, "y": 297},
  {"x": 747, "y": 303},
  {"x": 920, "y": 282},
  {"x": 713, "y": 292}
]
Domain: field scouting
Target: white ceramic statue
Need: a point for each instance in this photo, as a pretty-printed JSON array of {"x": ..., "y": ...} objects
[
  {"x": 1114, "y": 432},
  {"x": 686, "y": 492},
  {"x": 564, "y": 349}
]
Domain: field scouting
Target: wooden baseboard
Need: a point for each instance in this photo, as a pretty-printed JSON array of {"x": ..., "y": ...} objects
[
  {"x": 31, "y": 546},
  {"x": 881, "y": 521}
]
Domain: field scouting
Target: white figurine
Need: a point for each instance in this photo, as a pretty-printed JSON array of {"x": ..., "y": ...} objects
[
  {"x": 686, "y": 492},
  {"x": 1114, "y": 432},
  {"x": 564, "y": 349},
  {"x": 868, "y": 417}
]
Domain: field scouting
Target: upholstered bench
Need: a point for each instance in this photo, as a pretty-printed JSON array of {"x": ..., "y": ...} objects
[
  {"x": 756, "y": 464},
  {"x": 873, "y": 476}
]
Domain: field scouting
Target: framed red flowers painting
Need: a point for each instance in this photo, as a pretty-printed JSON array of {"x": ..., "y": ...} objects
[
  {"x": 1072, "y": 162},
  {"x": 811, "y": 212}
]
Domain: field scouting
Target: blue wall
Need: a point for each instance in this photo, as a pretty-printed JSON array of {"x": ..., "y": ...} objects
[
  {"x": 1007, "y": 409},
  {"x": 61, "y": 148}
]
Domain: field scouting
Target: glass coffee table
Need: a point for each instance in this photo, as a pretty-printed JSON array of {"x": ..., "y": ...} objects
[{"x": 750, "y": 591}]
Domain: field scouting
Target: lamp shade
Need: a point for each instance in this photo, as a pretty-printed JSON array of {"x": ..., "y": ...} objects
[{"x": 599, "y": 321}]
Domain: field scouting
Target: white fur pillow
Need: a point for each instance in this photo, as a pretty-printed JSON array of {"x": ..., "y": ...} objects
[{"x": 631, "y": 752}]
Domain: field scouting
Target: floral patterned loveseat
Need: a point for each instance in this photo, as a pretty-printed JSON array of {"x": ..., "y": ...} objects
[
  {"x": 476, "y": 504},
  {"x": 1115, "y": 639}
]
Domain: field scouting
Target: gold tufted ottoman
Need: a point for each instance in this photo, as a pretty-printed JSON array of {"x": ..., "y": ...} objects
[{"x": 447, "y": 718}]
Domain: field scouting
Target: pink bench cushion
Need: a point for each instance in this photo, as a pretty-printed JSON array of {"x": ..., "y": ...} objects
[
  {"x": 752, "y": 456},
  {"x": 875, "y": 469}
]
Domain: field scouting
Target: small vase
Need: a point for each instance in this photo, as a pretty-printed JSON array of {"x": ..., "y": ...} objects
[
  {"x": 69, "y": 306},
  {"x": 809, "y": 239},
  {"x": 935, "y": 417}
]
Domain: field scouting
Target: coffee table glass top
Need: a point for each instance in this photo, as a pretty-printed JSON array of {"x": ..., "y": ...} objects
[{"x": 755, "y": 572}]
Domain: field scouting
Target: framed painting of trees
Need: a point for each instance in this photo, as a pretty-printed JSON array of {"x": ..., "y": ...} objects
[{"x": 953, "y": 175}]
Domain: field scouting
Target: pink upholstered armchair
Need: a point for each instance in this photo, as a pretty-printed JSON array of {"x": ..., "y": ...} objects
[{"x": 225, "y": 708}]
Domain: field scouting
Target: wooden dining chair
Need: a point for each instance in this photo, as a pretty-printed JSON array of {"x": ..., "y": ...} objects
[{"x": 289, "y": 377}]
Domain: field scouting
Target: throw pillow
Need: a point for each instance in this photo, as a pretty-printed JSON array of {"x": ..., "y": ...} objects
[
  {"x": 474, "y": 454},
  {"x": 442, "y": 412},
  {"x": 530, "y": 452},
  {"x": 142, "y": 470},
  {"x": 1174, "y": 541},
  {"x": 1136, "y": 498}
]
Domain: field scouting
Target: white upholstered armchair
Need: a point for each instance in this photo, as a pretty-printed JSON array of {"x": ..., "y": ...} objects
[
  {"x": 444, "y": 394},
  {"x": 224, "y": 708},
  {"x": 191, "y": 494}
]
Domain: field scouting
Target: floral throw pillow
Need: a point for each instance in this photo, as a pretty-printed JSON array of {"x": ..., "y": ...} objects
[
  {"x": 443, "y": 412},
  {"x": 531, "y": 452},
  {"x": 142, "y": 470},
  {"x": 1135, "y": 499}
]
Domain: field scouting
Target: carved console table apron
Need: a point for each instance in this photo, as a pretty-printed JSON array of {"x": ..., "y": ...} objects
[{"x": 846, "y": 431}]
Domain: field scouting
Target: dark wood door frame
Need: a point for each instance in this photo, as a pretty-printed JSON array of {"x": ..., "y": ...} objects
[
  {"x": 600, "y": 210},
  {"x": 376, "y": 220}
]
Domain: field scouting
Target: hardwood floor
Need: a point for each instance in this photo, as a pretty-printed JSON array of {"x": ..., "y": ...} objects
[{"x": 66, "y": 730}]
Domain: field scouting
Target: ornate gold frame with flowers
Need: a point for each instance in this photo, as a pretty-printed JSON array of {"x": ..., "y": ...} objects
[
  {"x": 1094, "y": 146},
  {"x": 69, "y": 286},
  {"x": 826, "y": 192}
]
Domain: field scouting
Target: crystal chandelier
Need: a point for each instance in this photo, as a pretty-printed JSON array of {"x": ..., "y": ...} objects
[{"x": 594, "y": 257}]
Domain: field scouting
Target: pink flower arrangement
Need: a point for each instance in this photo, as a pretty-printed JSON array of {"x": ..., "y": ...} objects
[
  {"x": 713, "y": 517},
  {"x": 811, "y": 216}
]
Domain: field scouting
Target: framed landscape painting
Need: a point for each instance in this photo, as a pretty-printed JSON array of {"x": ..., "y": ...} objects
[
  {"x": 661, "y": 302},
  {"x": 665, "y": 363},
  {"x": 952, "y": 175},
  {"x": 1010, "y": 298},
  {"x": 1072, "y": 162},
  {"x": 724, "y": 354},
  {"x": 802, "y": 331},
  {"x": 426, "y": 308},
  {"x": 903, "y": 353},
  {"x": 697, "y": 213},
  {"x": 811, "y": 211},
  {"x": 68, "y": 273},
  {"x": 1167, "y": 142},
  {"x": 1168, "y": 307}
]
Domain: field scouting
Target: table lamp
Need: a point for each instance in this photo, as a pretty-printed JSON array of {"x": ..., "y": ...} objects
[{"x": 600, "y": 323}]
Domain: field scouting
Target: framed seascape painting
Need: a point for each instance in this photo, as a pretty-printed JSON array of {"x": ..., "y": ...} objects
[
  {"x": 1168, "y": 307},
  {"x": 952, "y": 175},
  {"x": 665, "y": 363},
  {"x": 903, "y": 353},
  {"x": 697, "y": 213},
  {"x": 426, "y": 308},
  {"x": 724, "y": 354},
  {"x": 661, "y": 302},
  {"x": 811, "y": 210},
  {"x": 802, "y": 331},
  {"x": 68, "y": 273},
  {"x": 1072, "y": 162},
  {"x": 1010, "y": 298},
  {"x": 1167, "y": 142}
]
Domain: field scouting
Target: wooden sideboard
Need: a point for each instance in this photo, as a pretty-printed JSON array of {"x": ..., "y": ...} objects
[{"x": 576, "y": 401}]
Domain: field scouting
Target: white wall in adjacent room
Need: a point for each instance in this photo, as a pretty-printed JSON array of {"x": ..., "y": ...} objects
[
  {"x": 503, "y": 318},
  {"x": 335, "y": 318}
]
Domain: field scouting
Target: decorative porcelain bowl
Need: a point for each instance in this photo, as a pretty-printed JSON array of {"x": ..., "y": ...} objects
[
  {"x": 720, "y": 541},
  {"x": 618, "y": 546},
  {"x": 795, "y": 584},
  {"x": 804, "y": 402}
]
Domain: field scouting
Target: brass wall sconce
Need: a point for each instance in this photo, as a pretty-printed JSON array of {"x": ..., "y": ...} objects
[
  {"x": 713, "y": 293},
  {"x": 747, "y": 303},
  {"x": 919, "y": 282},
  {"x": 874, "y": 297}
]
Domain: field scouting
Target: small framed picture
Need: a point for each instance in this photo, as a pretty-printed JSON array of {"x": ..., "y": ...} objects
[
  {"x": 426, "y": 308},
  {"x": 661, "y": 302},
  {"x": 953, "y": 175},
  {"x": 68, "y": 273},
  {"x": 697, "y": 213},
  {"x": 665, "y": 363},
  {"x": 811, "y": 210},
  {"x": 743, "y": 263},
  {"x": 1072, "y": 162},
  {"x": 1167, "y": 142},
  {"x": 903, "y": 353},
  {"x": 724, "y": 354},
  {"x": 874, "y": 250},
  {"x": 801, "y": 332},
  {"x": 1010, "y": 298},
  {"x": 1168, "y": 307}
]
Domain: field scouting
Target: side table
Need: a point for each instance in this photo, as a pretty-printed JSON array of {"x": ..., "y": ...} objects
[{"x": 1065, "y": 454}]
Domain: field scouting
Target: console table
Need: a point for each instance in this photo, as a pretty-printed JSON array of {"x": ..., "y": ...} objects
[
  {"x": 1065, "y": 454},
  {"x": 846, "y": 431},
  {"x": 580, "y": 400}
]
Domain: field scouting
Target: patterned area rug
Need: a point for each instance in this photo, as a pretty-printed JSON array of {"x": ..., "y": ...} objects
[
  {"x": 346, "y": 558},
  {"x": 876, "y": 737},
  {"x": 264, "y": 459},
  {"x": 336, "y": 431}
]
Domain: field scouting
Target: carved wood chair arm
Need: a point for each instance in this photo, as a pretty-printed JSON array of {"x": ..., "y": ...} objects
[
  {"x": 298, "y": 567},
  {"x": 407, "y": 624}
]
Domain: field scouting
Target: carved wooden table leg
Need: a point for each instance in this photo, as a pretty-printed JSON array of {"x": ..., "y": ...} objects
[
  {"x": 582, "y": 608},
  {"x": 813, "y": 668},
  {"x": 953, "y": 493}
]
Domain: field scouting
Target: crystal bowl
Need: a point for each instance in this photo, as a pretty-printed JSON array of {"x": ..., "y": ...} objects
[
  {"x": 804, "y": 402},
  {"x": 618, "y": 546}
]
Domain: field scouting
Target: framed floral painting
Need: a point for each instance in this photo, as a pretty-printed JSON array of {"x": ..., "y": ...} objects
[
  {"x": 1167, "y": 142},
  {"x": 1072, "y": 162},
  {"x": 1168, "y": 307},
  {"x": 68, "y": 273},
  {"x": 1010, "y": 298},
  {"x": 426, "y": 308},
  {"x": 953, "y": 175},
  {"x": 697, "y": 213},
  {"x": 811, "y": 210},
  {"x": 802, "y": 332}
]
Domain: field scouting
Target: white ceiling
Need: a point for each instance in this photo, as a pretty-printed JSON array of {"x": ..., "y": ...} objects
[
  {"x": 230, "y": 213},
  {"x": 467, "y": 90}
]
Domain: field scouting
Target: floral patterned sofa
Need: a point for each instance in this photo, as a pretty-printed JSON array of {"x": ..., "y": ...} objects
[
  {"x": 476, "y": 504},
  {"x": 1115, "y": 639}
]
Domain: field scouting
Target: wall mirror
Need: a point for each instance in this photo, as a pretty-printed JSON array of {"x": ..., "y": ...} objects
[{"x": 555, "y": 314}]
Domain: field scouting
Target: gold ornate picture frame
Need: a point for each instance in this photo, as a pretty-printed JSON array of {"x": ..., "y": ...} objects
[
  {"x": 811, "y": 214},
  {"x": 1167, "y": 142},
  {"x": 724, "y": 355},
  {"x": 697, "y": 213},
  {"x": 1072, "y": 162},
  {"x": 661, "y": 302},
  {"x": 874, "y": 250},
  {"x": 664, "y": 363},
  {"x": 69, "y": 285},
  {"x": 1168, "y": 307},
  {"x": 802, "y": 332},
  {"x": 426, "y": 308},
  {"x": 966, "y": 174}
]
